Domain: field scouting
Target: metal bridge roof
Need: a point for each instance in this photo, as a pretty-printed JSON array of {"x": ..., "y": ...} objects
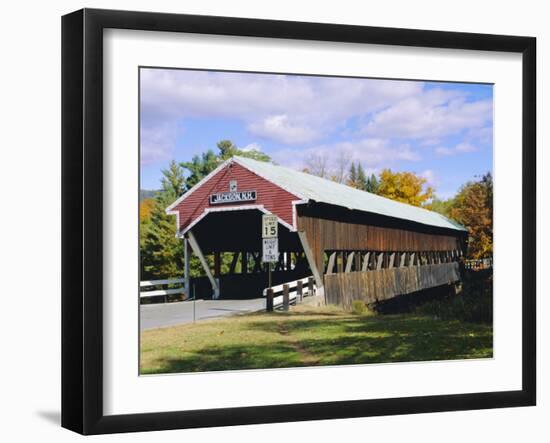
[{"x": 311, "y": 187}]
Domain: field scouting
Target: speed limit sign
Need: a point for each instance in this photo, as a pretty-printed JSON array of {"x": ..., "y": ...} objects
[{"x": 269, "y": 226}]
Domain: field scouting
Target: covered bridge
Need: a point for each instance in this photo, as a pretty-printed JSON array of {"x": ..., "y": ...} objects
[{"x": 355, "y": 244}]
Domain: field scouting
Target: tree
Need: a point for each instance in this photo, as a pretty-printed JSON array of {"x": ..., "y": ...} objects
[
  {"x": 372, "y": 184},
  {"x": 202, "y": 165},
  {"x": 342, "y": 162},
  {"x": 405, "y": 187},
  {"x": 352, "y": 176},
  {"x": 146, "y": 208},
  {"x": 473, "y": 208},
  {"x": 361, "y": 178},
  {"x": 199, "y": 167},
  {"x": 161, "y": 252},
  {"x": 228, "y": 149},
  {"x": 173, "y": 181},
  {"x": 316, "y": 164},
  {"x": 443, "y": 207}
]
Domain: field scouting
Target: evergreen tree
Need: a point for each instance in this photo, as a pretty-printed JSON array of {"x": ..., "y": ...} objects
[
  {"x": 361, "y": 178},
  {"x": 173, "y": 181},
  {"x": 202, "y": 165},
  {"x": 199, "y": 167},
  {"x": 161, "y": 252},
  {"x": 372, "y": 185},
  {"x": 227, "y": 149},
  {"x": 352, "y": 178}
]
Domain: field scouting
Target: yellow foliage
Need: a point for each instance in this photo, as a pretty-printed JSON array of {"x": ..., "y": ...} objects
[
  {"x": 471, "y": 208},
  {"x": 145, "y": 208},
  {"x": 405, "y": 187}
]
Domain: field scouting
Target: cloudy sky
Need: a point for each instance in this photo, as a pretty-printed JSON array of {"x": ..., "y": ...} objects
[{"x": 442, "y": 131}]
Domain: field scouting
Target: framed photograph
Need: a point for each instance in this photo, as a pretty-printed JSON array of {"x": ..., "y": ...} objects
[{"x": 269, "y": 221}]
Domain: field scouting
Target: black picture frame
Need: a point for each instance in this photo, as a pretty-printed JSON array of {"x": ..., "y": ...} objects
[{"x": 82, "y": 239}]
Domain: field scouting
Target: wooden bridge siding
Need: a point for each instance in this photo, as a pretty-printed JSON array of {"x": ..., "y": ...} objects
[
  {"x": 326, "y": 235},
  {"x": 372, "y": 286}
]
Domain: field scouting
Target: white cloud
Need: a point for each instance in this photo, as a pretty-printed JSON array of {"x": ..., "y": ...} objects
[
  {"x": 281, "y": 108},
  {"x": 458, "y": 149},
  {"x": 280, "y": 128},
  {"x": 157, "y": 142},
  {"x": 373, "y": 154},
  {"x": 431, "y": 115},
  {"x": 302, "y": 110}
]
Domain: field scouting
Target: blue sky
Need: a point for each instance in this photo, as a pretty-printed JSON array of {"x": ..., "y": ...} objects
[{"x": 442, "y": 131}]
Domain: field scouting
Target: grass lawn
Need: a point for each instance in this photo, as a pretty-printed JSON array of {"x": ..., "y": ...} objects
[{"x": 308, "y": 336}]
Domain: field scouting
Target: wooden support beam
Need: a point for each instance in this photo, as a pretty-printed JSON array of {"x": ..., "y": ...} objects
[
  {"x": 244, "y": 262},
  {"x": 392, "y": 260},
  {"x": 331, "y": 260},
  {"x": 279, "y": 264},
  {"x": 379, "y": 261},
  {"x": 197, "y": 250},
  {"x": 234, "y": 263},
  {"x": 349, "y": 262},
  {"x": 357, "y": 264},
  {"x": 311, "y": 261},
  {"x": 412, "y": 258},
  {"x": 289, "y": 262},
  {"x": 366, "y": 259},
  {"x": 402, "y": 259},
  {"x": 257, "y": 261},
  {"x": 217, "y": 264}
]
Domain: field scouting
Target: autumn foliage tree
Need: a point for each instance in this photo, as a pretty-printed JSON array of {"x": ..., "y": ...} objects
[
  {"x": 473, "y": 208},
  {"x": 146, "y": 208},
  {"x": 161, "y": 252},
  {"x": 405, "y": 187}
]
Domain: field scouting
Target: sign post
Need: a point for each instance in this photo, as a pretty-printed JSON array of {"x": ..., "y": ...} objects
[{"x": 270, "y": 250}]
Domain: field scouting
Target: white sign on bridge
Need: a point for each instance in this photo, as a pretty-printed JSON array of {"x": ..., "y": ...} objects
[
  {"x": 270, "y": 250},
  {"x": 269, "y": 226}
]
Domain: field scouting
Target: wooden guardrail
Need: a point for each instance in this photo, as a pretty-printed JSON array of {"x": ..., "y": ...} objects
[
  {"x": 160, "y": 292},
  {"x": 285, "y": 294}
]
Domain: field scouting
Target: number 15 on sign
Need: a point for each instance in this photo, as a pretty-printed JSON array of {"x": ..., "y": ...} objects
[{"x": 269, "y": 226}]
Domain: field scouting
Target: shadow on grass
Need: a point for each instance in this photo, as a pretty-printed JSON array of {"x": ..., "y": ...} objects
[{"x": 338, "y": 341}]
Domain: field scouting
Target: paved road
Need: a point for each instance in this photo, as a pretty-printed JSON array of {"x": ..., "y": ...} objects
[{"x": 169, "y": 314}]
